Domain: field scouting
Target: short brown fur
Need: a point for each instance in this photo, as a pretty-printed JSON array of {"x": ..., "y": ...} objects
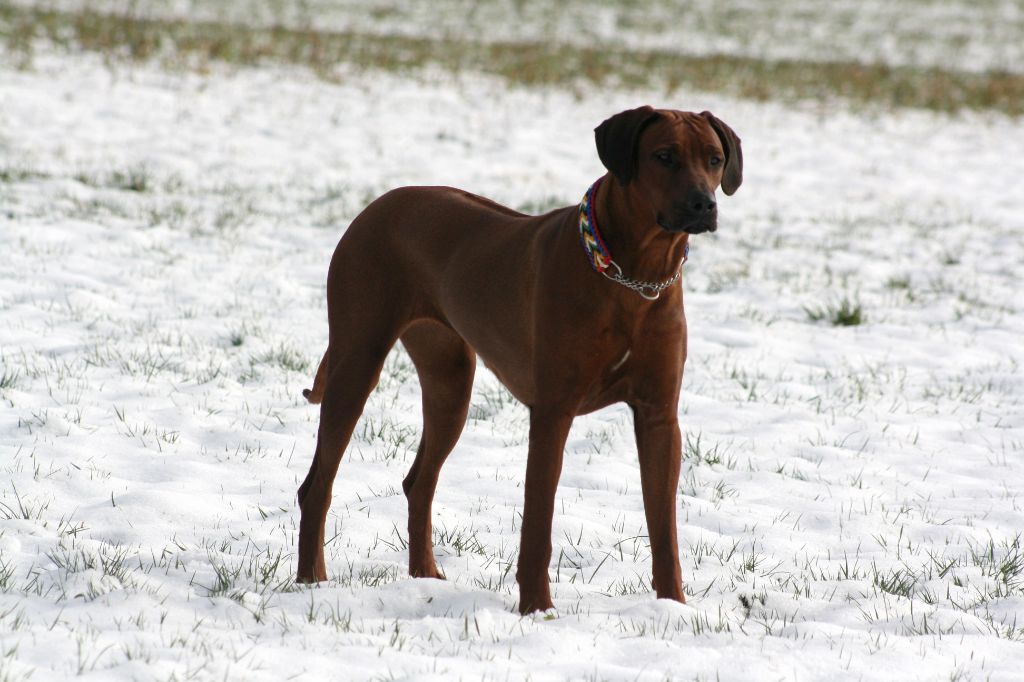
[{"x": 455, "y": 276}]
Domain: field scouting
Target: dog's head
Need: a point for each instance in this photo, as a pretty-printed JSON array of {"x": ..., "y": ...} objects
[{"x": 673, "y": 161}]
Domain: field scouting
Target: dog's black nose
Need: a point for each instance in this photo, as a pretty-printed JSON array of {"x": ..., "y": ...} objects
[{"x": 700, "y": 203}]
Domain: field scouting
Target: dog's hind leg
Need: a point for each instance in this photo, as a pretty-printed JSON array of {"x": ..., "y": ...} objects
[
  {"x": 352, "y": 373},
  {"x": 315, "y": 396},
  {"x": 445, "y": 364}
]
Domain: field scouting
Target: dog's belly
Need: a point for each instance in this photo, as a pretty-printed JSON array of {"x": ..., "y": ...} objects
[
  {"x": 505, "y": 349},
  {"x": 534, "y": 370}
]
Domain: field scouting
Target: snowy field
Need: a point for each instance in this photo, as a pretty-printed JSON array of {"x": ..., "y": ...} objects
[
  {"x": 974, "y": 35},
  {"x": 851, "y": 500}
]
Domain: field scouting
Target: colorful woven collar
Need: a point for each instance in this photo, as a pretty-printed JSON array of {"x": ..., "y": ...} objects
[
  {"x": 601, "y": 258},
  {"x": 597, "y": 251}
]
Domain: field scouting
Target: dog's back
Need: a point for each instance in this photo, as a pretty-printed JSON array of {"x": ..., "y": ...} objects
[{"x": 405, "y": 251}]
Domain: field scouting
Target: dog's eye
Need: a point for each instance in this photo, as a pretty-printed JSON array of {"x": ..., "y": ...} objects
[
  {"x": 716, "y": 160},
  {"x": 664, "y": 158}
]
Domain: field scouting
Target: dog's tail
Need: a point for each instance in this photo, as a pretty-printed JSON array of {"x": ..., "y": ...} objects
[{"x": 316, "y": 394}]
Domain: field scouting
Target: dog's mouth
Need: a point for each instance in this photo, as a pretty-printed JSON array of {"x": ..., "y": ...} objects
[{"x": 709, "y": 224}]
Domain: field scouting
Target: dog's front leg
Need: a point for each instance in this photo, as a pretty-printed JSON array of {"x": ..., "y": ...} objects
[
  {"x": 659, "y": 445},
  {"x": 548, "y": 431}
]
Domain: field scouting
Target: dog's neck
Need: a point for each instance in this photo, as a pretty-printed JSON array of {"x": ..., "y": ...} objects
[{"x": 642, "y": 248}]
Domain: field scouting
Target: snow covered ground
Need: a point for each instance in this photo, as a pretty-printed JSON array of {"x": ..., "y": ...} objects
[{"x": 851, "y": 503}]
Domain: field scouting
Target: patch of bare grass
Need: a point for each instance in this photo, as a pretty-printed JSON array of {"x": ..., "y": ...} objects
[{"x": 188, "y": 44}]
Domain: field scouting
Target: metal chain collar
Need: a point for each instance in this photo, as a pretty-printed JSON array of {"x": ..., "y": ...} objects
[{"x": 640, "y": 287}]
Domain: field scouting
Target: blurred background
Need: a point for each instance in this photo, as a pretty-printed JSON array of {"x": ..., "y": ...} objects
[{"x": 941, "y": 54}]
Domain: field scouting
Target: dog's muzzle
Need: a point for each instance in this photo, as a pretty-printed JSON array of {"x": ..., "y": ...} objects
[{"x": 697, "y": 214}]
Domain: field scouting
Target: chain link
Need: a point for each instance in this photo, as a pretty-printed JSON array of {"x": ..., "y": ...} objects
[{"x": 641, "y": 287}]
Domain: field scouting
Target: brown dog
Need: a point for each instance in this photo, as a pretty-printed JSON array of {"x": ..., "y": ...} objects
[{"x": 453, "y": 275}]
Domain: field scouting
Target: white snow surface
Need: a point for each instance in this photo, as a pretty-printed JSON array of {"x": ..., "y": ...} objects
[{"x": 850, "y": 506}]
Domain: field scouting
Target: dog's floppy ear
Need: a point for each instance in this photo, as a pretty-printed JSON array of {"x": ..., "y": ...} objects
[
  {"x": 617, "y": 138},
  {"x": 732, "y": 176}
]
